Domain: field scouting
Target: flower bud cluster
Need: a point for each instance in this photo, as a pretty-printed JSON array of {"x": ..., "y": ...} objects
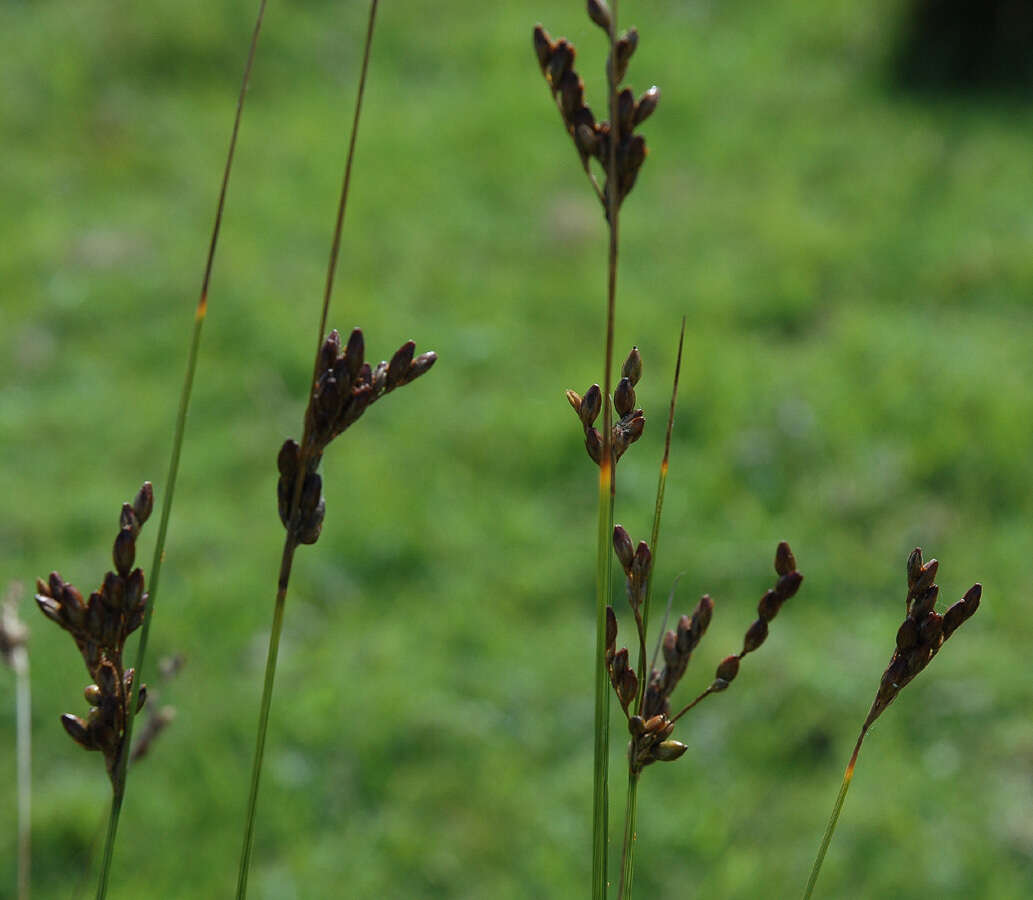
[
  {"x": 628, "y": 427},
  {"x": 591, "y": 138},
  {"x": 923, "y": 631},
  {"x": 100, "y": 627},
  {"x": 649, "y": 717},
  {"x": 345, "y": 386}
]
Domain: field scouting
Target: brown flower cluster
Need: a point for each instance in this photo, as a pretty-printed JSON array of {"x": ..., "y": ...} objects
[
  {"x": 100, "y": 626},
  {"x": 649, "y": 712},
  {"x": 631, "y": 422},
  {"x": 923, "y": 631},
  {"x": 591, "y": 138},
  {"x": 345, "y": 386}
]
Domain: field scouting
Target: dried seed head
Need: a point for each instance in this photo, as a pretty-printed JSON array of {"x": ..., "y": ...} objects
[
  {"x": 756, "y": 634},
  {"x": 599, "y": 13},
  {"x": 143, "y": 503},
  {"x": 542, "y": 47},
  {"x": 642, "y": 562},
  {"x": 586, "y": 139},
  {"x": 632, "y": 368},
  {"x": 330, "y": 350},
  {"x": 611, "y": 633},
  {"x": 398, "y": 368},
  {"x": 591, "y": 405},
  {"x": 668, "y": 751},
  {"x": 623, "y": 547},
  {"x": 914, "y": 567},
  {"x": 769, "y": 605},
  {"x": 624, "y": 397},
  {"x": 625, "y": 112},
  {"x": 785, "y": 562},
  {"x": 355, "y": 354},
  {"x": 287, "y": 461},
  {"x": 961, "y": 611},
  {"x": 646, "y": 105},
  {"x": 594, "y": 444},
  {"x": 560, "y": 62},
  {"x": 626, "y": 45},
  {"x": 124, "y": 552},
  {"x": 907, "y": 635},
  {"x": 788, "y": 585},
  {"x": 574, "y": 399},
  {"x": 924, "y": 602},
  {"x": 727, "y": 669}
]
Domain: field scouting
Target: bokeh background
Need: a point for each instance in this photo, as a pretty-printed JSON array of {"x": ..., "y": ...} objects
[{"x": 855, "y": 261}]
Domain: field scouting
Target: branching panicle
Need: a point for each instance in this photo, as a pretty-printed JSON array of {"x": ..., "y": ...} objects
[
  {"x": 625, "y": 430},
  {"x": 345, "y": 386},
  {"x": 923, "y": 631},
  {"x": 651, "y": 722},
  {"x": 100, "y": 627},
  {"x": 592, "y": 138}
]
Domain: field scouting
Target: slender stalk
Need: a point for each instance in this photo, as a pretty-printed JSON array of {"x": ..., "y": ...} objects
[
  {"x": 290, "y": 545},
  {"x": 654, "y": 538},
  {"x": 309, "y": 460},
  {"x": 831, "y": 827},
  {"x": 122, "y": 767},
  {"x": 630, "y": 838},
  {"x": 600, "y": 797},
  {"x": 607, "y": 489},
  {"x": 23, "y": 728}
]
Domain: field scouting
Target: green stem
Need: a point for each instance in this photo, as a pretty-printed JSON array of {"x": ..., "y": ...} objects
[
  {"x": 600, "y": 798},
  {"x": 263, "y": 716},
  {"x": 831, "y": 827},
  {"x": 654, "y": 538},
  {"x": 122, "y": 766},
  {"x": 630, "y": 837},
  {"x": 23, "y": 727},
  {"x": 309, "y": 456},
  {"x": 607, "y": 488}
]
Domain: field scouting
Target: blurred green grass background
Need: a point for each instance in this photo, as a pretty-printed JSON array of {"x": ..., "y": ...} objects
[{"x": 856, "y": 271}]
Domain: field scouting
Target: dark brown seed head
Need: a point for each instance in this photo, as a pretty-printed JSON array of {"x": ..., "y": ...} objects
[
  {"x": 542, "y": 47},
  {"x": 907, "y": 635},
  {"x": 727, "y": 669},
  {"x": 591, "y": 405},
  {"x": 756, "y": 634},
  {"x": 623, "y": 547},
  {"x": 288, "y": 459},
  {"x": 642, "y": 562},
  {"x": 924, "y": 602},
  {"x": 143, "y": 503},
  {"x": 632, "y": 368},
  {"x": 560, "y": 62},
  {"x": 355, "y": 355},
  {"x": 625, "y": 112},
  {"x": 646, "y": 105},
  {"x": 624, "y": 397},
  {"x": 626, "y": 45},
  {"x": 398, "y": 368},
  {"x": 421, "y": 365},
  {"x": 611, "y": 633},
  {"x": 330, "y": 350},
  {"x": 594, "y": 444},
  {"x": 914, "y": 567},
  {"x": 124, "y": 553},
  {"x": 785, "y": 562},
  {"x": 788, "y": 585},
  {"x": 599, "y": 13}
]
